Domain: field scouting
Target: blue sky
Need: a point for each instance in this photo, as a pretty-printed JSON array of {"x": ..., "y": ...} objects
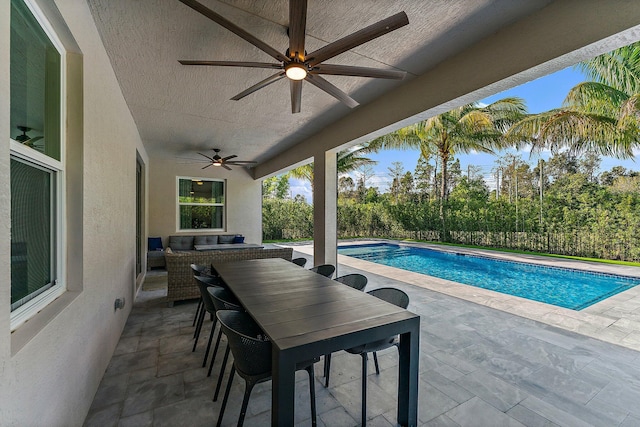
[{"x": 542, "y": 94}]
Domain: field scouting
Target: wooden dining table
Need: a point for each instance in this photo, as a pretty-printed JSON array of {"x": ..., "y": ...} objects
[{"x": 306, "y": 315}]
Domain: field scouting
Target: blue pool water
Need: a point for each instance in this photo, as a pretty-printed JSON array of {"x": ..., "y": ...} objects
[{"x": 562, "y": 287}]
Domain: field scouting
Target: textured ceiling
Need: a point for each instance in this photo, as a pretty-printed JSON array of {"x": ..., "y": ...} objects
[{"x": 182, "y": 109}]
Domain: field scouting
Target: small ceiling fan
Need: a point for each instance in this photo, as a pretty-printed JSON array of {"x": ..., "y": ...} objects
[
  {"x": 26, "y": 139},
  {"x": 225, "y": 162},
  {"x": 296, "y": 64}
]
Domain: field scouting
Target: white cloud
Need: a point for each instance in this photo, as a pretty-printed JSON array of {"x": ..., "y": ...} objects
[
  {"x": 302, "y": 187},
  {"x": 381, "y": 181}
]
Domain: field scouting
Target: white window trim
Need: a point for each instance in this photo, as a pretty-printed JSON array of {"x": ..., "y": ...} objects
[
  {"x": 223, "y": 204},
  {"x": 32, "y": 307}
]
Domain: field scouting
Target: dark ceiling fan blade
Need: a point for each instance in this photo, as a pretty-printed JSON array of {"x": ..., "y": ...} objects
[
  {"x": 232, "y": 64},
  {"x": 359, "y": 37},
  {"x": 331, "y": 90},
  {"x": 241, "y": 162},
  {"x": 296, "y": 95},
  {"x": 259, "y": 85},
  {"x": 225, "y": 166},
  {"x": 233, "y": 156},
  {"x": 31, "y": 142},
  {"x": 206, "y": 166},
  {"x": 347, "y": 70},
  {"x": 198, "y": 7},
  {"x": 184, "y": 160},
  {"x": 210, "y": 158},
  {"x": 297, "y": 28}
]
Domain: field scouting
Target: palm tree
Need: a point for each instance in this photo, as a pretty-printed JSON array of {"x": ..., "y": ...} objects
[
  {"x": 348, "y": 160},
  {"x": 465, "y": 129},
  {"x": 600, "y": 116}
]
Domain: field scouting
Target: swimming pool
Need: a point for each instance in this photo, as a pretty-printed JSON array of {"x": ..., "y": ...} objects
[{"x": 563, "y": 287}]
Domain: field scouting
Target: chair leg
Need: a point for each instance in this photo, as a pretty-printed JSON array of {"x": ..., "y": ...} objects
[
  {"x": 327, "y": 369},
  {"x": 248, "y": 386},
  {"x": 197, "y": 312},
  {"x": 226, "y": 396},
  {"x": 215, "y": 352},
  {"x": 224, "y": 365},
  {"x": 375, "y": 361},
  {"x": 364, "y": 389},
  {"x": 198, "y": 328},
  {"x": 206, "y": 353},
  {"x": 312, "y": 392}
]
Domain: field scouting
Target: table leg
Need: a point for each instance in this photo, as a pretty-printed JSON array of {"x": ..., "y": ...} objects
[
  {"x": 283, "y": 388},
  {"x": 408, "y": 376}
]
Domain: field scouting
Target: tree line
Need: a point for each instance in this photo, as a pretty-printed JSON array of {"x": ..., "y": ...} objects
[{"x": 556, "y": 206}]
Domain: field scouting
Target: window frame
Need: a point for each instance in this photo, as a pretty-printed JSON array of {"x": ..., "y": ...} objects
[
  {"x": 36, "y": 159},
  {"x": 223, "y": 204}
]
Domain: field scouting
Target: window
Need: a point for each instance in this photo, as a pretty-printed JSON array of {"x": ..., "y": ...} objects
[
  {"x": 37, "y": 163},
  {"x": 200, "y": 204}
]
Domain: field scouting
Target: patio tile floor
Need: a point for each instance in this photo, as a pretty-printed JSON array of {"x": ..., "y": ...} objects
[{"x": 479, "y": 366}]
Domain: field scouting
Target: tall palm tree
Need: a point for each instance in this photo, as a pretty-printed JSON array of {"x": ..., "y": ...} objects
[
  {"x": 348, "y": 160},
  {"x": 464, "y": 129},
  {"x": 601, "y": 116}
]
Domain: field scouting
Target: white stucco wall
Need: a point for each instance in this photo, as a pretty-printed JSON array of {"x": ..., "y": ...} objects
[
  {"x": 243, "y": 199},
  {"x": 5, "y": 202},
  {"x": 52, "y": 378}
]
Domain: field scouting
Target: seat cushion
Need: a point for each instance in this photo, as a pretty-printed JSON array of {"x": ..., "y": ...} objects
[
  {"x": 205, "y": 240},
  {"x": 226, "y": 238},
  {"x": 154, "y": 243},
  {"x": 181, "y": 243},
  {"x": 238, "y": 239}
]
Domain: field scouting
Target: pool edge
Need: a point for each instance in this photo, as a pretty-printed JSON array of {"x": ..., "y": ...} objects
[{"x": 615, "y": 320}]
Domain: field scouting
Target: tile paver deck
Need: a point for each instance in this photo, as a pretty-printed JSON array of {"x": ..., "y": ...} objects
[
  {"x": 479, "y": 366},
  {"x": 615, "y": 320}
]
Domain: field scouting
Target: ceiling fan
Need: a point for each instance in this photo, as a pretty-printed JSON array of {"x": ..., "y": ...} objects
[
  {"x": 296, "y": 64},
  {"x": 225, "y": 162},
  {"x": 26, "y": 139}
]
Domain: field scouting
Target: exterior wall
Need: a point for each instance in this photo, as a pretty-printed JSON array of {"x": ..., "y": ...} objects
[
  {"x": 5, "y": 202},
  {"x": 51, "y": 366},
  {"x": 243, "y": 199}
]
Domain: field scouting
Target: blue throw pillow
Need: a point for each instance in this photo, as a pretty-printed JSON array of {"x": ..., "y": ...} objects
[
  {"x": 238, "y": 239},
  {"x": 155, "y": 243}
]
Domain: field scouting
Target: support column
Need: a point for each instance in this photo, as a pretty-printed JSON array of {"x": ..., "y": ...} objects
[{"x": 325, "y": 208}]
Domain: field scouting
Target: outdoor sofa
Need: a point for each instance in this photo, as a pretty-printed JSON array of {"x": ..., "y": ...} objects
[
  {"x": 180, "y": 256},
  {"x": 156, "y": 251}
]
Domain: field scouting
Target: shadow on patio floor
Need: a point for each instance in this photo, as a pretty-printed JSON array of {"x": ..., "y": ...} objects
[{"x": 478, "y": 367}]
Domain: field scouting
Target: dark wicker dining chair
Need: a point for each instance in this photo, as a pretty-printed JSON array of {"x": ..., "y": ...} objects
[
  {"x": 393, "y": 296},
  {"x": 199, "y": 270},
  {"x": 324, "y": 269},
  {"x": 251, "y": 350},
  {"x": 356, "y": 281},
  {"x": 205, "y": 282},
  {"x": 222, "y": 300},
  {"x": 299, "y": 261}
]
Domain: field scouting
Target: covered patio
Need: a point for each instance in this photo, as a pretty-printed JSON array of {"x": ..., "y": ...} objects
[
  {"x": 479, "y": 366},
  {"x": 115, "y": 115}
]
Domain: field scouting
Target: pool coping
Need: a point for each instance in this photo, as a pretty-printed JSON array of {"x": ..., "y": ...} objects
[{"x": 615, "y": 319}]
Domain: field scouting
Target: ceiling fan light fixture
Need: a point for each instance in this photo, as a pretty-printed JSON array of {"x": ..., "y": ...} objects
[
  {"x": 295, "y": 71},
  {"x": 217, "y": 164}
]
